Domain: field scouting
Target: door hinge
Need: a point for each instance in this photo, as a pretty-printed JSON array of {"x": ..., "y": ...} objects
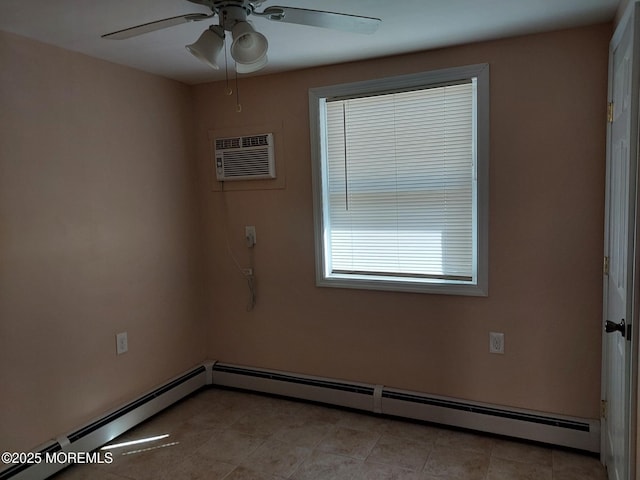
[
  {"x": 610, "y": 112},
  {"x": 603, "y": 409},
  {"x": 605, "y": 266}
]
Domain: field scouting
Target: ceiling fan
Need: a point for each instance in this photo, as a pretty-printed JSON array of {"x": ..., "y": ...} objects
[{"x": 249, "y": 48}]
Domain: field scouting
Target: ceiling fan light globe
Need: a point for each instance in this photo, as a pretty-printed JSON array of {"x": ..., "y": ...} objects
[
  {"x": 207, "y": 48},
  {"x": 248, "y": 46},
  {"x": 246, "y": 41},
  {"x": 252, "y": 67}
]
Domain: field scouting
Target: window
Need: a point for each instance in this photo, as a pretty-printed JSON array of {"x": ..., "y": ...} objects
[{"x": 400, "y": 176}]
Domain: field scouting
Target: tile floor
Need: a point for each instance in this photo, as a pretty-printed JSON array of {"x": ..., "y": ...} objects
[{"x": 230, "y": 435}]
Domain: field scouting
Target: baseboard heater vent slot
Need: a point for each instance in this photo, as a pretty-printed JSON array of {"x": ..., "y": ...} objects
[
  {"x": 281, "y": 377},
  {"x": 496, "y": 412},
  {"x": 306, "y": 387}
]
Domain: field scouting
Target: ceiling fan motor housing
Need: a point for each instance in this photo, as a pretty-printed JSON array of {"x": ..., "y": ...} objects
[{"x": 230, "y": 12}]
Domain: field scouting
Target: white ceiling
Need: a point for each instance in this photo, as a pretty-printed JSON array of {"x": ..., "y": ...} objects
[{"x": 407, "y": 26}]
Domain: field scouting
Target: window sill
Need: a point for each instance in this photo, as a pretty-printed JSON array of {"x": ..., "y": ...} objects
[{"x": 474, "y": 289}]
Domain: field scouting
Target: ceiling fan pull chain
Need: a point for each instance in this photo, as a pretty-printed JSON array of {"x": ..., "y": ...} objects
[
  {"x": 228, "y": 89},
  {"x": 238, "y": 105}
]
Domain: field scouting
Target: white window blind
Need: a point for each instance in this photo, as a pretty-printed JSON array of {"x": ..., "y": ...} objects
[{"x": 400, "y": 182}]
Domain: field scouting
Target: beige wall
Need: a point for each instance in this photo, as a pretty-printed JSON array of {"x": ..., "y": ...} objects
[
  {"x": 98, "y": 229},
  {"x": 548, "y": 98}
]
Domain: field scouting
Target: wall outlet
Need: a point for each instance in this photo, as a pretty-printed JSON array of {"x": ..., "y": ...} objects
[
  {"x": 122, "y": 343},
  {"x": 496, "y": 342}
]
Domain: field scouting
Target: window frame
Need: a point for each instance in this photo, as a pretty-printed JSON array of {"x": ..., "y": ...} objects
[{"x": 317, "y": 100}]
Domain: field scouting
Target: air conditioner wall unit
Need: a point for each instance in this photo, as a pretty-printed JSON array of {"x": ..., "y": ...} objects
[{"x": 245, "y": 158}]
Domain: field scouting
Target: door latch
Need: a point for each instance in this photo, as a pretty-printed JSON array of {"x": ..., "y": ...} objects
[{"x": 611, "y": 327}]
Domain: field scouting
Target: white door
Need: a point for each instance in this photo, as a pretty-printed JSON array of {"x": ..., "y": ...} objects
[{"x": 618, "y": 384}]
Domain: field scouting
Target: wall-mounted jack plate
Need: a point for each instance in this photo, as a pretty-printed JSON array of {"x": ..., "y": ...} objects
[
  {"x": 496, "y": 342},
  {"x": 250, "y": 235},
  {"x": 122, "y": 343}
]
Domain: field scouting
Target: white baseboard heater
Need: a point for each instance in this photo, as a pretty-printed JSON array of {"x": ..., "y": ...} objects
[
  {"x": 104, "y": 429},
  {"x": 578, "y": 433}
]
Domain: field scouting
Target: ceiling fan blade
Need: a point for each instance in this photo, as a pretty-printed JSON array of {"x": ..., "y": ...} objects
[
  {"x": 319, "y": 18},
  {"x": 157, "y": 25}
]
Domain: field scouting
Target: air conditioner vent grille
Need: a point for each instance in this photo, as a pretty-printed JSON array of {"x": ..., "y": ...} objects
[
  {"x": 245, "y": 158},
  {"x": 227, "y": 143},
  {"x": 245, "y": 163},
  {"x": 255, "y": 141}
]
